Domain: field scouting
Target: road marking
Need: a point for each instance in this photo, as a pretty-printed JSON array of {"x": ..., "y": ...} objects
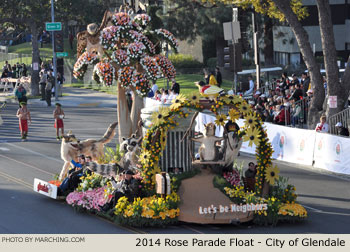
[
  {"x": 4, "y": 149},
  {"x": 36, "y": 153},
  {"x": 31, "y": 166},
  {"x": 16, "y": 180},
  {"x": 193, "y": 229},
  {"x": 94, "y": 104},
  {"x": 325, "y": 212}
]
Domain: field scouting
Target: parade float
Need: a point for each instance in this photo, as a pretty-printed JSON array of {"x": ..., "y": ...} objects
[{"x": 171, "y": 185}]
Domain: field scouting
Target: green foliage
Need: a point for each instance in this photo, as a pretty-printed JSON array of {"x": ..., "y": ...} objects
[
  {"x": 208, "y": 49},
  {"x": 184, "y": 61},
  {"x": 220, "y": 183},
  {"x": 212, "y": 62},
  {"x": 268, "y": 8},
  {"x": 283, "y": 191},
  {"x": 156, "y": 22},
  {"x": 176, "y": 179},
  {"x": 111, "y": 155}
]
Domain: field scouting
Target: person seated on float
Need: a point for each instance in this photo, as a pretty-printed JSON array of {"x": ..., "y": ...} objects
[
  {"x": 71, "y": 182},
  {"x": 128, "y": 187},
  {"x": 251, "y": 171},
  {"x": 249, "y": 180}
]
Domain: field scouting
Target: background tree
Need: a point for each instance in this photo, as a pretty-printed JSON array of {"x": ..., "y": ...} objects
[{"x": 32, "y": 15}]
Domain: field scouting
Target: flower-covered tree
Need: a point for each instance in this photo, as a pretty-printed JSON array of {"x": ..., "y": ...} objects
[{"x": 129, "y": 53}]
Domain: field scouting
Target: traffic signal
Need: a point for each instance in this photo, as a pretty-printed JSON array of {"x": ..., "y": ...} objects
[
  {"x": 59, "y": 42},
  {"x": 233, "y": 57}
]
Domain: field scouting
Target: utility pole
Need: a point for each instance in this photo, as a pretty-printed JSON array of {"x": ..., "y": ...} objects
[
  {"x": 256, "y": 49},
  {"x": 53, "y": 51}
]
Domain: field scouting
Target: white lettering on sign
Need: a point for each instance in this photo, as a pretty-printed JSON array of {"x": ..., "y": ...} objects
[{"x": 232, "y": 208}]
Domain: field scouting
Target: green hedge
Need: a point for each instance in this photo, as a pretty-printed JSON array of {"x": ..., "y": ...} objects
[{"x": 184, "y": 61}]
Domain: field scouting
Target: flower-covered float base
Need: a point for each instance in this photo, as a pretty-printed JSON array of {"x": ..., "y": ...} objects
[
  {"x": 202, "y": 203},
  {"x": 205, "y": 197}
]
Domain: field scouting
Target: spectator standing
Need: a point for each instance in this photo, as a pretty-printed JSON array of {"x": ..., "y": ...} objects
[
  {"x": 305, "y": 80},
  {"x": 298, "y": 93},
  {"x": 322, "y": 126},
  {"x": 175, "y": 87},
  {"x": 58, "y": 114},
  {"x": 49, "y": 84},
  {"x": 206, "y": 76},
  {"x": 21, "y": 93},
  {"x": 251, "y": 86},
  {"x": 341, "y": 130},
  {"x": 42, "y": 83},
  {"x": 218, "y": 76},
  {"x": 23, "y": 115},
  {"x": 212, "y": 80},
  {"x": 154, "y": 87}
]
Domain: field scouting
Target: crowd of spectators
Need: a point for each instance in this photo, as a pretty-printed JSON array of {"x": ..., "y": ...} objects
[
  {"x": 285, "y": 101},
  {"x": 15, "y": 71}
]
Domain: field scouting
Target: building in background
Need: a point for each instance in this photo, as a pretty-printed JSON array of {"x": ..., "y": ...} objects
[{"x": 286, "y": 49}]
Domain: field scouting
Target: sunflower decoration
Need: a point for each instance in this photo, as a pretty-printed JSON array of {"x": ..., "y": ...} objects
[
  {"x": 244, "y": 108},
  {"x": 252, "y": 135},
  {"x": 271, "y": 174},
  {"x": 221, "y": 119},
  {"x": 234, "y": 114},
  {"x": 158, "y": 117},
  {"x": 194, "y": 98},
  {"x": 155, "y": 171},
  {"x": 145, "y": 156},
  {"x": 178, "y": 101},
  {"x": 250, "y": 121}
]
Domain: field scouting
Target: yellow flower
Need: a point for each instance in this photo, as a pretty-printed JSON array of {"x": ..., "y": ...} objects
[
  {"x": 155, "y": 171},
  {"x": 271, "y": 174},
  {"x": 158, "y": 118},
  {"x": 252, "y": 135},
  {"x": 234, "y": 114},
  {"x": 194, "y": 98},
  {"x": 178, "y": 101},
  {"x": 244, "y": 108},
  {"x": 145, "y": 156},
  {"x": 220, "y": 119},
  {"x": 250, "y": 121}
]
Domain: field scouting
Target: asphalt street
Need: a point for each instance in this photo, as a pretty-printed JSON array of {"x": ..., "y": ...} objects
[{"x": 325, "y": 196}]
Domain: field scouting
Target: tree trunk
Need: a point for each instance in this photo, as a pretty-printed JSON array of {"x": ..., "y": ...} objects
[
  {"x": 124, "y": 122},
  {"x": 330, "y": 58},
  {"x": 268, "y": 41},
  {"x": 220, "y": 44},
  {"x": 34, "y": 86},
  {"x": 309, "y": 59},
  {"x": 135, "y": 116}
]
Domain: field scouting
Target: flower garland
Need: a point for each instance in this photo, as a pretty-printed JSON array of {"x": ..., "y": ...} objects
[
  {"x": 121, "y": 57},
  {"x": 104, "y": 73},
  {"x": 169, "y": 37},
  {"x": 141, "y": 83},
  {"x": 82, "y": 63},
  {"x": 110, "y": 36},
  {"x": 151, "y": 67},
  {"x": 125, "y": 75},
  {"x": 136, "y": 50},
  {"x": 166, "y": 66},
  {"x": 142, "y": 19}
]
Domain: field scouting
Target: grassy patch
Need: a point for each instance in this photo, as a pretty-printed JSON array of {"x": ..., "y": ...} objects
[
  {"x": 26, "y": 48},
  {"x": 186, "y": 82}
]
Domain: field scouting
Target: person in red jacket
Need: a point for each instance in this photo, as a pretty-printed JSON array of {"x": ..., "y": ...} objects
[{"x": 283, "y": 116}]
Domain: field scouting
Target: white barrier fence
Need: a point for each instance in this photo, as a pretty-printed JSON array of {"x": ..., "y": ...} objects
[{"x": 299, "y": 146}]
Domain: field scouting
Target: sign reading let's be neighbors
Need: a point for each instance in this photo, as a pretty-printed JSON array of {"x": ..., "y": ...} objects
[{"x": 232, "y": 208}]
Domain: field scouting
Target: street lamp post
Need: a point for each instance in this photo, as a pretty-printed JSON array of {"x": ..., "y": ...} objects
[{"x": 53, "y": 51}]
